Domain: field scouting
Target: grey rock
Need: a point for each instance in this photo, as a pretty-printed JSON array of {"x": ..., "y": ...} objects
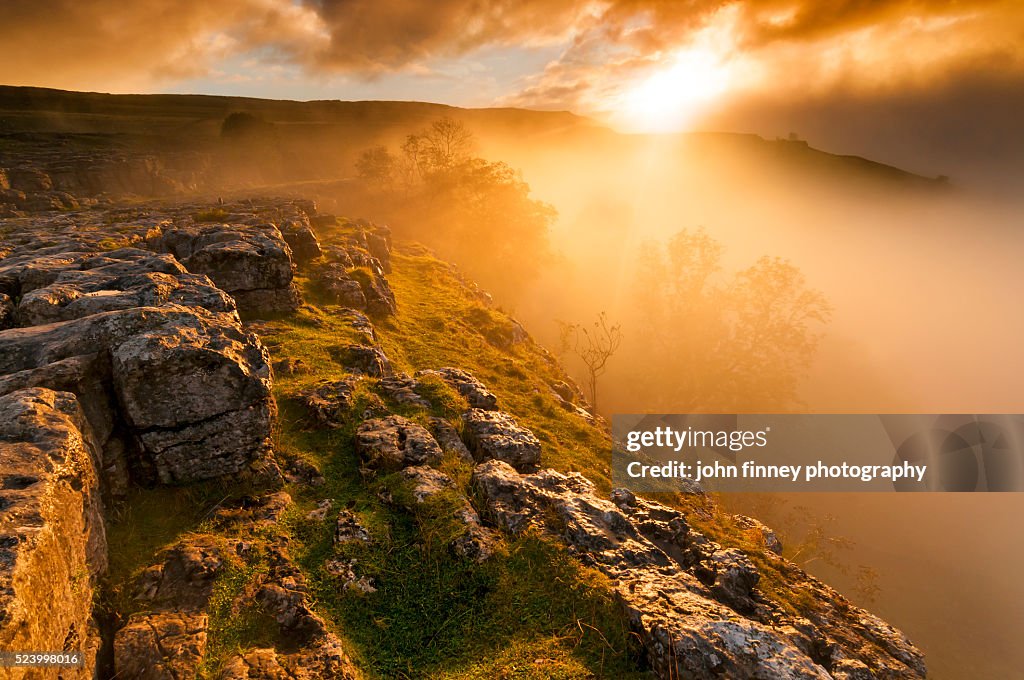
[
  {"x": 426, "y": 482},
  {"x": 328, "y": 404},
  {"x": 184, "y": 576},
  {"x": 496, "y": 435},
  {"x": 268, "y": 300},
  {"x": 380, "y": 300},
  {"x": 348, "y": 529},
  {"x": 340, "y": 288},
  {"x": 87, "y": 376},
  {"x": 198, "y": 396},
  {"x": 401, "y": 388},
  {"x": 302, "y": 240},
  {"x": 359, "y": 323},
  {"x": 393, "y": 443},
  {"x": 363, "y": 359},
  {"x": 325, "y": 658},
  {"x": 449, "y": 439}
]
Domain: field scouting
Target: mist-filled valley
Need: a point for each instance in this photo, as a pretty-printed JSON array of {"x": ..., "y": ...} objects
[{"x": 705, "y": 272}]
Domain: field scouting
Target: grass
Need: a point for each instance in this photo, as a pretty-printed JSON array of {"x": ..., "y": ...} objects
[
  {"x": 440, "y": 322},
  {"x": 211, "y": 215}
]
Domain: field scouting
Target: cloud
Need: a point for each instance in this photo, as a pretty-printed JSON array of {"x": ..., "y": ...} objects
[
  {"x": 794, "y": 45},
  {"x": 116, "y": 45}
]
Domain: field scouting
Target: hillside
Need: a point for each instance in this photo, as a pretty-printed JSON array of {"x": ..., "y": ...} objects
[{"x": 253, "y": 440}]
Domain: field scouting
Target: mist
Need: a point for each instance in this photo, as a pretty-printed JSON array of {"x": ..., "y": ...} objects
[{"x": 925, "y": 317}]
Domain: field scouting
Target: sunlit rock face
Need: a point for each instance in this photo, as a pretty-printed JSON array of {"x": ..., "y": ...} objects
[{"x": 52, "y": 540}]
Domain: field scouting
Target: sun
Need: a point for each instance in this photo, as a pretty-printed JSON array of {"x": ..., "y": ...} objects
[{"x": 668, "y": 99}]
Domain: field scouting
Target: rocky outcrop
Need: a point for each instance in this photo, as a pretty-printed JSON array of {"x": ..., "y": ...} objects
[
  {"x": 693, "y": 604},
  {"x": 353, "y": 271},
  {"x": 52, "y": 539},
  {"x": 190, "y": 386},
  {"x": 363, "y": 359},
  {"x": 401, "y": 388},
  {"x": 168, "y": 640},
  {"x": 201, "y": 380},
  {"x": 65, "y": 286},
  {"x": 253, "y": 262},
  {"x": 161, "y": 646},
  {"x": 394, "y": 443},
  {"x": 496, "y": 435},
  {"x": 328, "y": 404}
]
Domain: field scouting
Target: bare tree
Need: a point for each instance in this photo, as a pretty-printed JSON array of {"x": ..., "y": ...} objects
[
  {"x": 448, "y": 142},
  {"x": 594, "y": 345}
]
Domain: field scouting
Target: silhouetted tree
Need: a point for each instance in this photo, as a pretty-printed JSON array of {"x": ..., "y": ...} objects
[
  {"x": 377, "y": 167},
  {"x": 594, "y": 345},
  {"x": 709, "y": 341},
  {"x": 478, "y": 212},
  {"x": 241, "y": 125}
]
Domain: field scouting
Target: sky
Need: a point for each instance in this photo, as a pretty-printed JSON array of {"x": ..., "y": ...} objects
[{"x": 934, "y": 85}]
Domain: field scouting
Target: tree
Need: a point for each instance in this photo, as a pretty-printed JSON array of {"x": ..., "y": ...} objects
[
  {"x": 376, "y": 166},
  {"x": 476, "y": 212},
  {"x": 594, "y": 346},
  {"x": 244, "y": 125},
  {"x": 446, "y": 144},
  {"x": 710, "y": 342}
]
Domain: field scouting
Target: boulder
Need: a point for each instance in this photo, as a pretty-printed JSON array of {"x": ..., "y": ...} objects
[
  {"x": 197, "y": 394},
  {"x": 184, "y": 576},
  {"x": 496, "y": 435},
  {"x": 52, "y": 540},
  {"x": 302, "y": 240},
  {"x": 328, "y": 404},
  {"x": 251, "y": 262},
  {"x": 426, "y": 482},
  {"x": 335, "y": 283},
  {"x": 393, "y": 443},
  {"x": 380, "y": 300},
  {"x": 191, "y": 386}
]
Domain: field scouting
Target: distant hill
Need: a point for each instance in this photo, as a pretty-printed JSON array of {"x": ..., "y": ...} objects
[{"x": 331, "y": 133}]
